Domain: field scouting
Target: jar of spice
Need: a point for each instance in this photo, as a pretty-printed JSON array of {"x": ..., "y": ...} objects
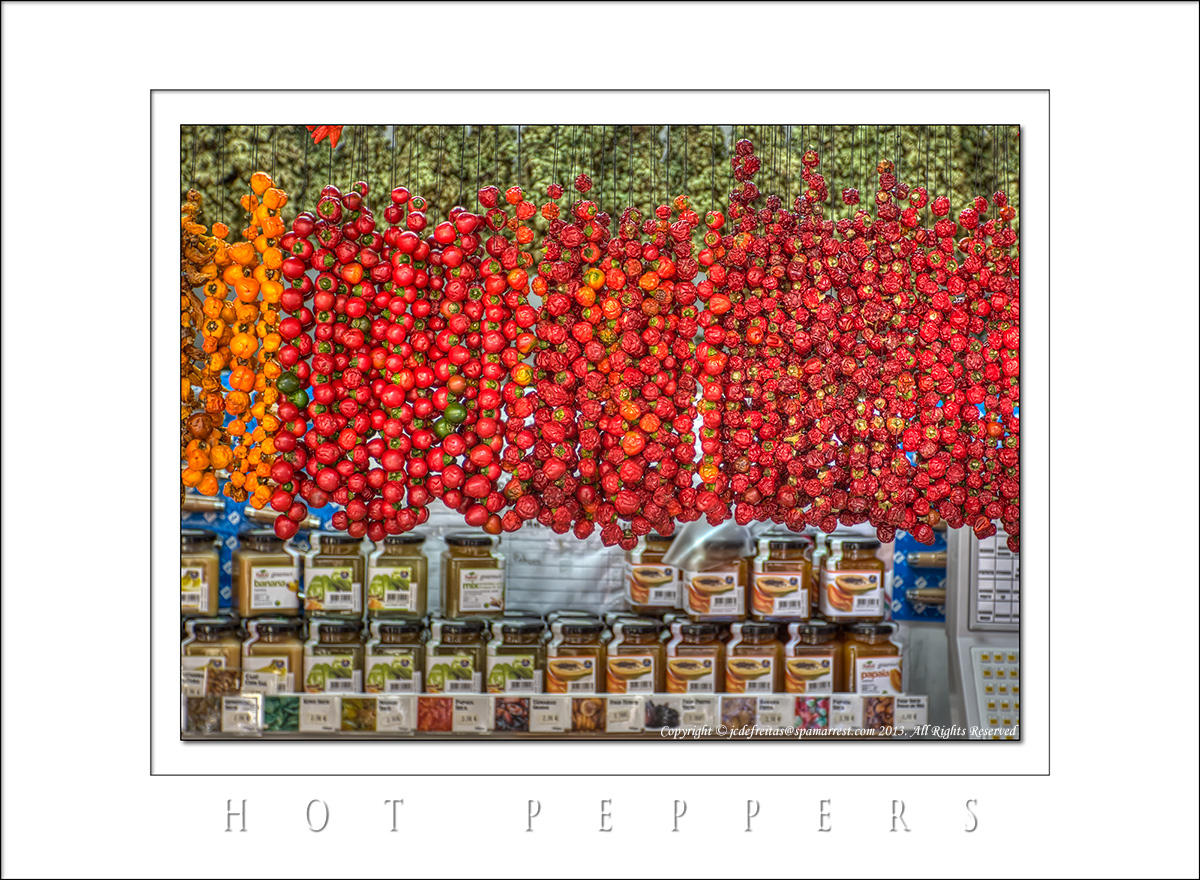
[
  {"x": 754, "y": 664},
  {"x": 871, "y": 660},
  {"x": 395, "y": 657},
  {"x": 575, "y": 656},
  {"x": 812, "y": 658},
  {"x": 782, "y": 578},
  {"x": 211, "y": 657},
  {"x": 199, "y": 573},
  {"x": 714, "y": 586},
  {"x": 636, "y": 657},
  {"x": 695, "y": 659},
  {"x": 516, "y": 656},
  {"x": 398, "y": 577},
  {"x": 852, "y": 583},
  {"x": 472, "y": 576},
  {"x": 266, "y": 575},
  {"x": 650, "y": 586},
  {"x": 334, "y": 573},
  {"x": 333, "y": 657},
  {"x": 272, "y": 655},
  {"x": 455, "y": 656}
]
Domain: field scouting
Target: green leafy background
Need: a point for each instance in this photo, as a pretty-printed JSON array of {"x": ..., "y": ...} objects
[{"x": 446, "y": 163}]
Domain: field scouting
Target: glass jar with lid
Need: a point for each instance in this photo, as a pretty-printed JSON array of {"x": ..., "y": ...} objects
[
  {"x": 199, "y": 573},
  {"x": 781, "y": 582},
  {"x": 575, "y": 656},
  {"x": 211, "y": 657},
  {"x": 871, "y": 661},
  {"x": 272, "y": 655},
  {"x": 455, "y": 656},
  {"x": 695, "y": 659},
  {"x": 266, "y": 575},
  {"x": 472, "y": 576},
  {"x": 636, "y": 657},
  {"x": 714, "y": 584},
  {"x": 395, "y": 657},
  {"x": 650, "y": 586},
  {"x": 334, "y": 574},
  {"x": 333, "y": 656},
  {"x": 852, "y": 580},
  {"x": 754, "y": 661},
  {"x": 398, "y": 577},
  {"x": 516, "y": 656},
  {"x": 812, "y": 661}
]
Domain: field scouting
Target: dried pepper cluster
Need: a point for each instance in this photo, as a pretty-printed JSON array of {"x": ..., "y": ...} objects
[
  {"x": 611, "y": 376},
  {"x": 228, "y": 385}
]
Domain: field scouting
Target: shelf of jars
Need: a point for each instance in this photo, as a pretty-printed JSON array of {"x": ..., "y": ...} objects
[{"x": 664, "y": 716}]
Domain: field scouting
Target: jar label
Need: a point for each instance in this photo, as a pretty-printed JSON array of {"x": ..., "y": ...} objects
[
  {"x": 481, "y": 589},
  {"x": 193, "y": 590},
  {"x": 878, "y": 675},
  {"x": 452, "y": 673},
  {"x": 513, "y": 674},
  {"x": 331, "y": 673},
  {"x": 274, "y": 587},
  {"x": 570, "y": 674},
  {"x": 266, "y": 675},
  {"x": 654, "y": 585},
  {"x": 631, "y": 674},
  {"x": 852, "y": 594},
  {"x": 780, "y": 593},
  {"x": 808, "y": 674},
  {"x": 750, "y": 674},
  {"x": 331, "y": 589},
  {"x": 713, "y": 594},
  {"x": 692, "y": 674},
  {"x": 392, "y": 589},
  {"x": 394, "y": 673}
]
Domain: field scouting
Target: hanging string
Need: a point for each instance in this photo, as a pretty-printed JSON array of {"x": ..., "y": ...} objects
[
  {"x": 616, "y": 191},
  {"x": 409, "y": 176},
  {"x": 1006, "y": 178},
  {"x": 787, "y": 180},
  {"x": 496, "y": 155},
  {"x": 330, "y": 160},
  {"x": 667, "y": 164},
  {"x": 392, "y": 168},
  {"x": 274, "y": 151},
  {"x": 949, "y": 170},
  {"x": 898, "y": 152},
  {"x": 925, "y": 133},
  {"x": 478, "y": 154},
  {"x": 712, "y": 170},
  {"x": 995, "y": 168},
  {"x": 518, "y": 155},
  {"x": 417, "y": 179},
  {"x": 686, "y": 184},
  {"x": 629, "y": 181},
  {"x": 832, "y": 201},
  {"x": 441, "y": 163},
  {"x": 554, "y": 171},
  {"x": 254, "y": 152},
  {"x": 304, "y": 138},
  {"x": 195, "y": 142},
  {"x": 462, "y": 146},
  {"x": 600, "y": 171},
  {"x": 574, "y": 143}
]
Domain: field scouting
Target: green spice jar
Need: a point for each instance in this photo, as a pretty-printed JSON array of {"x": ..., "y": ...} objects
[
  {"x": 333, "y": 657},
  {"x": 199, "y": 573},
  {"x": 395, "y": 657},
  {"x": 398, "y": 577},
  {"x": 472, "y": 576},
  {"x": 516, "y": 656},
  {"x": 455, "y": 656},
  {"x": 210, "y": 657},
  {"x": 334, "y": 573}
]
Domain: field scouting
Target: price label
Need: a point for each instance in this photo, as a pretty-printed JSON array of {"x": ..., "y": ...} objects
[
  {"x": 776, "y": 713},
  {"x": 396, "y": 714},
  {"x": 549, "y": 714},
  {"x": 698, "y": 711},
  {"x": 912, "y": 711},
  {"x": 241, "y": 714},
  {"x": 626, "y": 714},
  {"x": 845, "y": 712},
  {"x": 319, "y": 714},
  {"x": 471, "y": 714},
  {"x": 193, "y": 682}
]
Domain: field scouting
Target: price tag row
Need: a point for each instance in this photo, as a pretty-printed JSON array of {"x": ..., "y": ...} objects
[{"x": 697, "y": 716}]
